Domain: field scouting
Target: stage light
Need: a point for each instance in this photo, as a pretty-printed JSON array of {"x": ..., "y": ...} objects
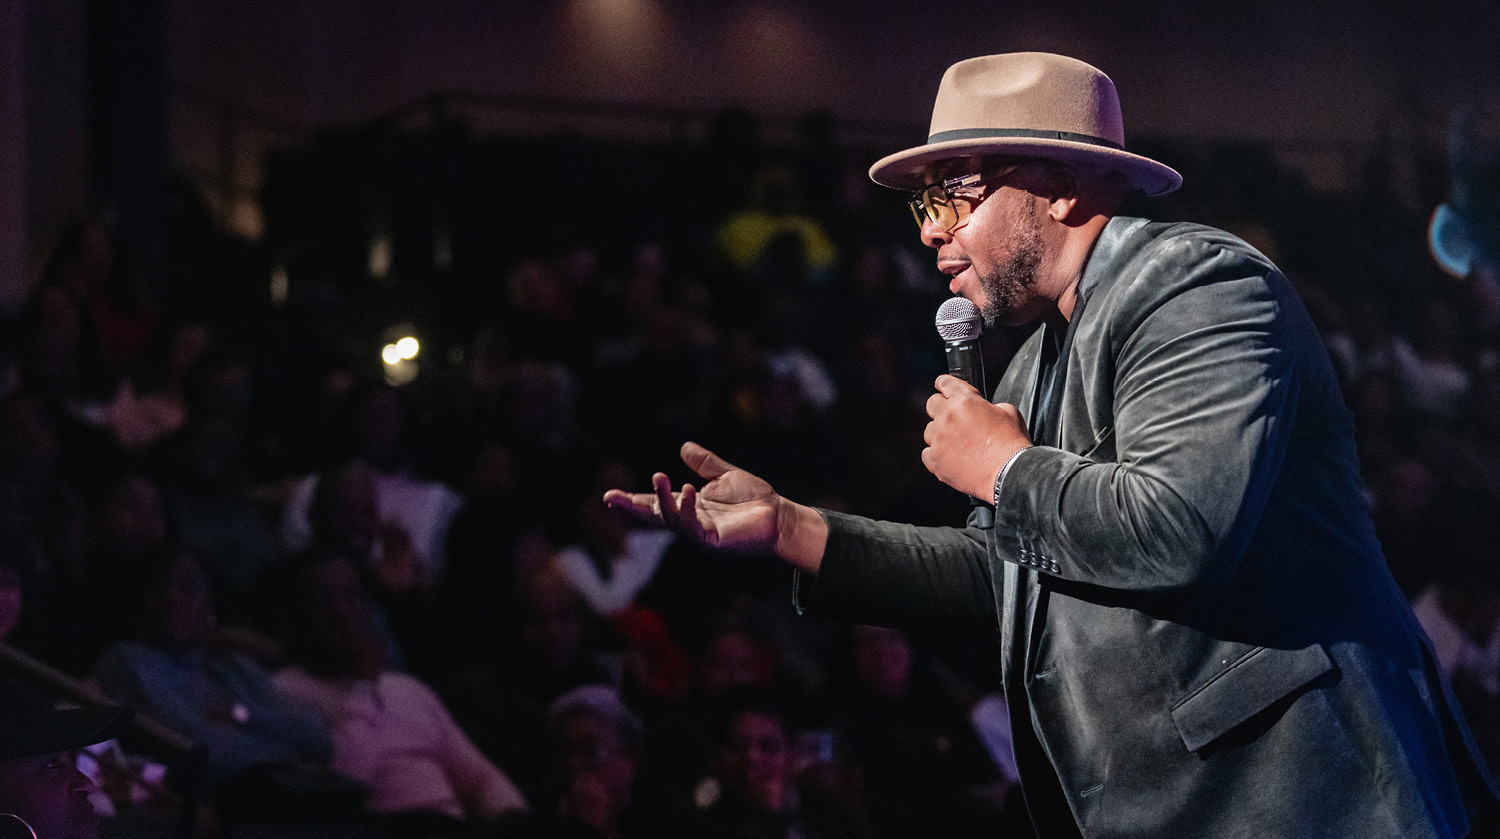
[{"x": 399, "y": 354}]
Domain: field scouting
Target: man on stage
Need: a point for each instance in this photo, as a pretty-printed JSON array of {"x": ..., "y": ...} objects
[{"x": 1198, "y": 632}]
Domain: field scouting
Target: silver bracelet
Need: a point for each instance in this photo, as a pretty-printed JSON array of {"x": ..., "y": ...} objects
[{"x": 1000, "y": 476}]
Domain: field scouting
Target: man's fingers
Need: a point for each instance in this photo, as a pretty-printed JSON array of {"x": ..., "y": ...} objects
[
  {"x": 707, "y": 464},
  {"x": 690, "y": 521},
  {"x": 951, "y": 386},
  {"x": 665, "y": 504},
  {"x": 641, "y": 505},
  {"x": 935, "y": 404}
]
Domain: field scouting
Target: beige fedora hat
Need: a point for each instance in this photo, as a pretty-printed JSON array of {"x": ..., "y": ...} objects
[{"x": 1026, "y": 104}]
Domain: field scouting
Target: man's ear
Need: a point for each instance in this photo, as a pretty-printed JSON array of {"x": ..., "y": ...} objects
[{"x": 1061, "y": 188}]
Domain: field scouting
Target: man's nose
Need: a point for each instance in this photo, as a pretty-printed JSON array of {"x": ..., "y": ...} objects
[{"x": 934, "y": 235}]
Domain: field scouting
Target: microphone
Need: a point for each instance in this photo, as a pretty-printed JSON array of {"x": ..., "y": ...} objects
[{"x": 959, "y": 324}]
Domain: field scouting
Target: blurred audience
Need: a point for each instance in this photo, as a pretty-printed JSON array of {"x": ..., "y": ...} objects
[
  {"x": 755, "y": 790},
  {"x": 175, "y": 670},
  {"x": 169, "y": 462},
  {"x": 908, "y": 733},
  {"x": 598, "y": 791},
  {"x": 391, "y": 732},
  {"x": 502, "y": 703}
]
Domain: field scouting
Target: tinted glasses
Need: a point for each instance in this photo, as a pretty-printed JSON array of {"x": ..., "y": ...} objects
[{"x": 948, "y": 204}]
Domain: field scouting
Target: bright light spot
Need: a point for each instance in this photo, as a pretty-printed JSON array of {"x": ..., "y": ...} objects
[
  {"x": 401, "y": 373},
  {"x": 390, "y": 354},
  {"x": 408, "y": 347}
]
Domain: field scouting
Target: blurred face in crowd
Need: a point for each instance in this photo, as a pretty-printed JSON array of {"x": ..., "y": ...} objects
[
  {"x": 594, "y": 753},
  {"x": 554, "y": 618},
  {"x": 755, "y": 763},
  {"x": 732, "y": 659},
  {"x": 351, "y": 509},
  {"x": 10, "y": 600},
  {"x": 190, "y": 342},
  {"x": 336, "y": 617},
  {"x": 179, "y": 608},
  {"x": 51, "y": 794},
  {"x": 53, "y": 353},
  {"x": 882, "y": 658},
  {"x": 133, "y": 521},
  {"x": 28, "y": 440}
]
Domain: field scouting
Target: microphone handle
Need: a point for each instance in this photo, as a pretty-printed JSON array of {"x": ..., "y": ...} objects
[{"x": 966, "y": 362}]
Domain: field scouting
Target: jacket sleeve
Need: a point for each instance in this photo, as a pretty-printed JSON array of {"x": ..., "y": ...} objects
[
  {"x": 1204, "y": 341},
  {"x": 889, "y": 574}
]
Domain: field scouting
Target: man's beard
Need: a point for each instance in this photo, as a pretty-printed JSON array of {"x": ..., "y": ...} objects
[{"x": 1013, "y": 282}]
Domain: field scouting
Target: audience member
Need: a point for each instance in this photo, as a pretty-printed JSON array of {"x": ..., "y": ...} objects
[
  {"x": 598, "y": 791},
  {"x": 208, "y": 494},
  {"x": 922, "y": 763},
  {"x": 391, "y": 732},
  {"x": 502, "y": 704},
  {"x": 754, "y": 791},
  {"x": 615, "y": 558},
  {"x": 219, "y": 698},
  {"x": 14, "y": 574},
  {"x": 382, "y": 436},
  {"x": 346, "y": 520},
  {"x": 39, "y": 782},
  {"x": 680, "y": 736}
]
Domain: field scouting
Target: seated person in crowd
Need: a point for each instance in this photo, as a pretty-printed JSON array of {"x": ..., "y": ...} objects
[
  {"x": 549, "y": 649},
  {"x": 12, "y": 589},
  {"x": 1460, "y": 611},
  {"x": 615, "y": 557},
  {"x": 347, "y": 520},
  {"x": 681, "y": 737},
  {"x": 174, "y": 671},
  {"x": 390, "y": 731},
  {"x": 755, "y": 791},
  {"x": 381, "y": 433},
  {"x": 42, "y": 793},
  {"x": 907, "y": 726},
  {"x": 598, "y": 792}
]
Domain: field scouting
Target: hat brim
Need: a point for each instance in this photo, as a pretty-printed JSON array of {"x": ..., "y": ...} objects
[
  {"x": 63, "y": 731},
  {"x": 908, "y": 169}
]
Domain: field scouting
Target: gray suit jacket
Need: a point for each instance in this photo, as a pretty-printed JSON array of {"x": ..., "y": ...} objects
[{"x": 1192, "y": 606}]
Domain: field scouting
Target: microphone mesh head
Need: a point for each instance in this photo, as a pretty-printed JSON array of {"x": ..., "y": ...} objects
[{"x": 958, "y": 320}]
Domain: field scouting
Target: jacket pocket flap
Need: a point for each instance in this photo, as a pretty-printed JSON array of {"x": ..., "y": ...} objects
[{"x": 1247, "y": 686}]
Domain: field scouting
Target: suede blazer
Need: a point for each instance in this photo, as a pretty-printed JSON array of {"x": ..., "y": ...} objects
[{"x": 1192, "y": 606}]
